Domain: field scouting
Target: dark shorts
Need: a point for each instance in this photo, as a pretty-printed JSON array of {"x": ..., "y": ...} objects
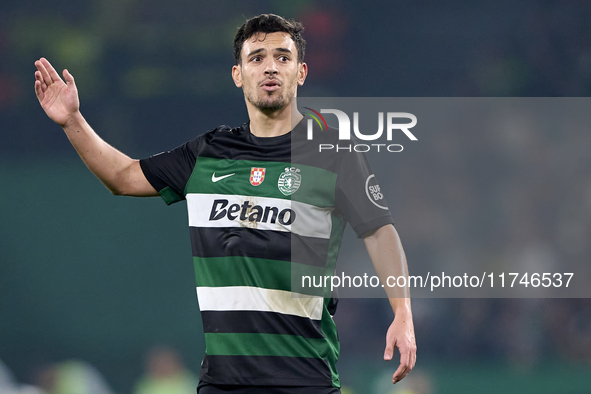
[{"x": 206, "y": 388}]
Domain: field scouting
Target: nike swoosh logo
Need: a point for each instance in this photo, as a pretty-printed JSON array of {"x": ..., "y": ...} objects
[{"x": 219, "y": 178}]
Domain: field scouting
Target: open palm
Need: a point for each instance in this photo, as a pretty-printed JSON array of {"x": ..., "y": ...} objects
[{"x": 58, "y": 99}]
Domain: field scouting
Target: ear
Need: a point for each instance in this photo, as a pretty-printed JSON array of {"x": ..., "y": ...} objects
[
  {"x": 237, "y": 76},
  {"x": 302, "y": 73}
]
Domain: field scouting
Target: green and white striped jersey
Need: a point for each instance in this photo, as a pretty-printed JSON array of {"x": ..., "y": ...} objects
[{"x": 261, "y": 212}]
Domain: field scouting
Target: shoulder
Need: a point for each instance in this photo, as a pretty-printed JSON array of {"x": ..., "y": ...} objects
[
  {"x": 220, "y": 135},
  {"x": 319, "y": 147},
  {"x": 224, "y": 131}
]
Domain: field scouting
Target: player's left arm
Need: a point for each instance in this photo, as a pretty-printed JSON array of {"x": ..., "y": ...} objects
[{"x": 386, "y": 253}]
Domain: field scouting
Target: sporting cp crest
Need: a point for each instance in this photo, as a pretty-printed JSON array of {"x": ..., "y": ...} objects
[
  {"x": 289, "y": 181},
  {"x": 257, "y": 176}
]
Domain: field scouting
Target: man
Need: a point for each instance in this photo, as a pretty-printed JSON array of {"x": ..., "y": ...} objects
[{"x": 259, "y": 208}]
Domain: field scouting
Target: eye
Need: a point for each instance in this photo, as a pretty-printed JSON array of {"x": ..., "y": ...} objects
[{"x": 283, "y": 58}]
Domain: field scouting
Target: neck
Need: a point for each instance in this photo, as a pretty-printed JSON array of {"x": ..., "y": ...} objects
[{"x": 273, "y": 124}]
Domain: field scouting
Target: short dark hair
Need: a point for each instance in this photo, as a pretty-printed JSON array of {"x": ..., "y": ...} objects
[{"x": 269, "y": 23}]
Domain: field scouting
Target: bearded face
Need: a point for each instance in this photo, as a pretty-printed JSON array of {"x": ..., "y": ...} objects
[{"x": 269, "y": 73}]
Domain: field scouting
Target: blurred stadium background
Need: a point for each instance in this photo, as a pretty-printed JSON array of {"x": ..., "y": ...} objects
[{"x": 92, "y": 286}]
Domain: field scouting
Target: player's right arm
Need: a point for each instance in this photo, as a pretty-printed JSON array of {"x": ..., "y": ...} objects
[{"x": 121, "y": 174}]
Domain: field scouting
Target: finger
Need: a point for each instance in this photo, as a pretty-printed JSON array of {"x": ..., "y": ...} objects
[
  {"x": 406, "y": 358},
  {"x": 44, "y": 74},
  {"x": 399, "y": 374},
  {"x": 406, "y": 365},
  {"x": 52, "y": 73},
  {"x": 38, "y": 90},
  {"x": 39, "y": 79},
  {"x": 38, "y": 65}
]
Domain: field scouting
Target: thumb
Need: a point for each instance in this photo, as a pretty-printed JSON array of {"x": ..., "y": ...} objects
[
  {"x": 69, "y": 78},
  {"x": 389, "y": 352}
]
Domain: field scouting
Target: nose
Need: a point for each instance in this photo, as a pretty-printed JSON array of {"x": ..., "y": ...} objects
[{"x": 271, "y": 67}]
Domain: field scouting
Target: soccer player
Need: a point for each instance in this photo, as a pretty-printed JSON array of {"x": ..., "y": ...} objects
[{"x": 258, "y": 211}]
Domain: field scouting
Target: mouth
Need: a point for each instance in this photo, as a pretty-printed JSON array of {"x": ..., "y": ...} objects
[{"x": 270, "y": 85}]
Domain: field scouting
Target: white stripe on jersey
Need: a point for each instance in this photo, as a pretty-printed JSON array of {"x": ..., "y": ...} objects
[
  {"x": 309, "y": 221},
  {"x": 246, "y": 298}
]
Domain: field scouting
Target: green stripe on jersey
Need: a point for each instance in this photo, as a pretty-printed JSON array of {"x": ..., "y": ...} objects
[
  {"x": 316, "y": 188},
  {"x": 236, "y": 344},
  {"x": 254, "y": 272}
]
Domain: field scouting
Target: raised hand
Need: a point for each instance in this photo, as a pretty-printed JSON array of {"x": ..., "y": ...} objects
[{"x": 59, "y": 100}]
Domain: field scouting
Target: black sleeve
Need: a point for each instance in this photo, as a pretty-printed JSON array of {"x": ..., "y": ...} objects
[
  {"x": 169, "y": 172},
  {"x": 358, "y": 195}
]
